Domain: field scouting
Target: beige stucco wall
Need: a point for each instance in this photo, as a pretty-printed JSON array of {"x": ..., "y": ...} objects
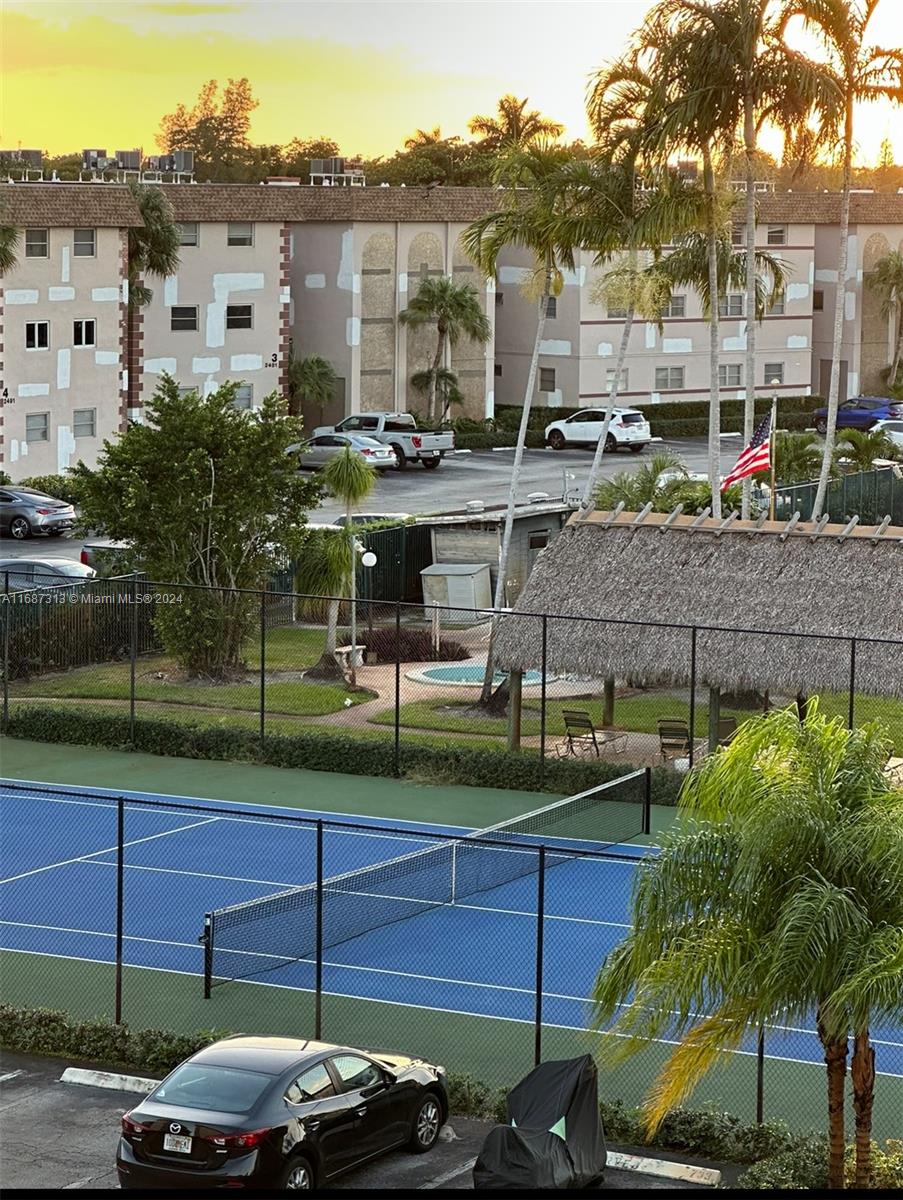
[{"x": 61, "y": 289}]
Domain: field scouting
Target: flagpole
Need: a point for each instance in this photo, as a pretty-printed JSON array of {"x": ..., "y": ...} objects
[{"x": 771, "y": 452}]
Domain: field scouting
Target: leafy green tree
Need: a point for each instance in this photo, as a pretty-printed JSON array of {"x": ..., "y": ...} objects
[
  {"x": 797, "y": 457},
  {"x": 514, "y": 126},
  {"x": 211, "y": 502},
  {"x": 457, "y": 313},
  {"x": 9, "y": 244},
  {"x": 861, "y": 73},
  {"x": 860, "y": 448},
  {"x": 350, "y": 479},
  {"x": 886, "y": 280},
  {"x": 216, "y": 128},
  {"x": 779, "y": 894},
  {"x": 323, "y": 569},
  {"x": 310, "y": 379}
]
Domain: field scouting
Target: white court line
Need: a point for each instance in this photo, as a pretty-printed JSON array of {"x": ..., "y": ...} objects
[
  {"x": 108, "y": 850},
  {"x": 457, "y": 1012},
  {"x": 340, "y": 966}
]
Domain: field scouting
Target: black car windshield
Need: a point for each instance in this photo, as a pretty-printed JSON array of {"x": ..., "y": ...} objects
[{"x": 197, "y": 1085}]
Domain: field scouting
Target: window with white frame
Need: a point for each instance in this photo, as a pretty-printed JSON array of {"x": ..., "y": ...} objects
[
  {"x": 37, "y": 243},
  {"x": 669, "y": 379},
  {"x": 37, "y": 427},
  {"x": 552, "y": 306},
  {"x": 547, "y": 379},
  {"x": 187, "y": 391},
  {"x": 84, "y": 243},
  {"x": 610, "y": 375},
  {"x": 730, "y": 375},
  {"x": 188, "y": 233},
  {"x": 676, "y": 307},
  {"x": 738, "y": 235},
  {"x": 244, "y": 395},
  {"x": 732, "y": 305},
  {"x": 240, "y": 233},
  {"x": 84, "y": 332},
  {"x": 183, "y": 318},
  {"x": 84, "y": 422},
  {"x": 777, "y": 235},
  {"x": 37, "y": 335},
  {"x": 774, "y": 373},
  {"x": 239, "y": 316}
]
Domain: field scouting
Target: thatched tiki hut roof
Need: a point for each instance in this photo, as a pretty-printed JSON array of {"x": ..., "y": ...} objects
[{"x": 682, "y": 572}]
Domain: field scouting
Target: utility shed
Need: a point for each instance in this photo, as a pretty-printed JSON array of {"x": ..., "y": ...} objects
[{"x": 841, "y": 583}]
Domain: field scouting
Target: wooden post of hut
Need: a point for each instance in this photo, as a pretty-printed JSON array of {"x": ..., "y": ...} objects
[
  {"x": 515, "y": 686},
  {"x": 714, "y": 718},
  {"x": 608, "y": 702}
]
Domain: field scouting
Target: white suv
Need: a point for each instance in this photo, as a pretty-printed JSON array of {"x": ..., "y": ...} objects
[{"x": 628, "y": 427}]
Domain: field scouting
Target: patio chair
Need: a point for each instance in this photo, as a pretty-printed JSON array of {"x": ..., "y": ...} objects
[
  {"x": 582, "y": 737},
  {"x": 673, "y": 738},
  {"x": 727, "y": 727}
]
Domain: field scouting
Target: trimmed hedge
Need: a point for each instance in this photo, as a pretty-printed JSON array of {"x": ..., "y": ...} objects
[
  {"x": 313, "y": 752},
  {"x": 60, "y": 487},
  {"x": 502, "y": 440}
]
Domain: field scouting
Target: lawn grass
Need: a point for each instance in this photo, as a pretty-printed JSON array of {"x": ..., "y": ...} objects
[{"x": 289, "y": 647}]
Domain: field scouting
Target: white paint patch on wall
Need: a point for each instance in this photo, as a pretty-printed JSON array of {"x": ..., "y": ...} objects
[
  {"x": 171, "y": 290},
  {"x": 106, "y": 358},
  {"x": 14, "y": 450},
  {"x": 285, "y": 295},
  {"x": 65, "y": 447},
  {"x": 291, "y": 245},
  {"x": 734, "y": 343},
  {"x": 796, "y": 291},
  {"x": 223, "y": 287},
  {"x": 61, "y": 293},
  {"x": 205, "y": 366},
  {"x": 825, "y": 276},
  {"x": 605, "y": 350},
  {"x": 159, "y": 366},
  {"x": 64, "y": 265},
  {"x": 124, "y": 381},
  {"x": 490, "y": 286},
  {"x": 555, "y": 399},
  {"x": 651, "y": 335},
  {"x": 849, "y": 306},
  {"x": 677, "y": 346},
  {"x": 246, "y": 362},
  {"x": 21, "y": 296},
  {"x": 63, "y": 368},
  {"x": 210, "y": 386},
  {"x": 345, "y": 278},
  {"x": 575, "y": 278},
  {"x": 105, "y": 295},
  {"x": 554, "y": 346},
  {"x": 853, "y": 383},
  {"x": 812, "y": 271},
  {"x": 514, "y": 274},
  {"x": 315, "y": 281},
  {"x": 798, "y": 341},
  {"x": 32, "y": 389},
  {"x": 656, "y": 397},
  {"x": 352, "y": 331},
  {"x": 124, "y": 291}
]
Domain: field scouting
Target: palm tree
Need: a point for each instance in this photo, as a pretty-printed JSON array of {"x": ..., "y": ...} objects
[
  {"x": 887, "y": 282},
  {"x": 861, "y": 447},
  {"x": 350, "y": 479},
  {"x": 323, "y": 570},
  {"x": 445, "y": 382},
  {"x": 9, "y": 244},
  {"x": 428, "y": 137},
  {"x": 456, "y": 311},
  {"x": 153, "y": 250},
  {"x": 861, "y": 73},
  {"x": 514, "y": 126},
  {"x": 531, "y": 219},
  {"x": 779, "y": 894},
  {"x": 652, "y": 483},
  {"x": 797, "y": 457},
  {"x": 312, "y": 379}
]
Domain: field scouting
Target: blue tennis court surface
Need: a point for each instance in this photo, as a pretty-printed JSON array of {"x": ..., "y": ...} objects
[{"x": 476, "y": 956}]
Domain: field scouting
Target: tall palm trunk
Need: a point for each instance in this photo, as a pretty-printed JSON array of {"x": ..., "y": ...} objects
[
  {"x": 434, "y": 372},
  {"x": 749, "y": 403},
  {"x": 839, "y": 313},
  {"x": 836, "y": 1061},
  {"x": 862, "y": 1074},
  {"x": 499, "y": 600},
  {"x": 587, "y": 502},
  {"x": 714, "y": 333}
]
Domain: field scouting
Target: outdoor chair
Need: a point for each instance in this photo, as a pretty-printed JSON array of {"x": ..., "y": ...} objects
[
  {"x": 582, "y": 737},
  {"x": 673, "y": 738},
  {"x": 727, "y": 727}
]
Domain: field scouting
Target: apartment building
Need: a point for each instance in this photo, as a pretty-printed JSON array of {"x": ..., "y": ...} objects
[
  {"x": 63, "y": 324},
  {"x": 793, "y": 343}
]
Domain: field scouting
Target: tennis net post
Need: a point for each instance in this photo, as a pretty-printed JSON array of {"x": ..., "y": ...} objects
[
  {"x": 647, "y": 802},
  {"x": 206, "y": 940}
]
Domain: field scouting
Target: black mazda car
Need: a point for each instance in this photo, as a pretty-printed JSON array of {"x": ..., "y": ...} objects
[{"x": 272, "y": 1112}]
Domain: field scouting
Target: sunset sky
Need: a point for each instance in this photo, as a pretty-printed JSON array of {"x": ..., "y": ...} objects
[{"x": 79, "y": 74}]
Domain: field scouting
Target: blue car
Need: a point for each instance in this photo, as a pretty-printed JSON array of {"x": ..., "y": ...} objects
[{"x": 861, "y": 413}]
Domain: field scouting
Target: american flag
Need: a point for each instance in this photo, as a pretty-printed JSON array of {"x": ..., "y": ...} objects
[{"x": 755, "y": 457}]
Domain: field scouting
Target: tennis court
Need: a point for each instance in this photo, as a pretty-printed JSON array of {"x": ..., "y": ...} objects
[{"x": 448, "y": 972}]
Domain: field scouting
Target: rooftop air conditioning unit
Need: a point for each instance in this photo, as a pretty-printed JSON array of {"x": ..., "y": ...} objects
[
  {"x": 183, "y": 160},
  {"x": 128, "y": 160},
  {"x": 474, "y": 506},
  {"x": 94, "y": 160},
  {"x": 316, "y": 166},
  {"x": 166, "y": 162},
  {"x": 537, "y": 497}
]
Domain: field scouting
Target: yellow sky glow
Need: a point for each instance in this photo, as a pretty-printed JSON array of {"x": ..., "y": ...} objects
[{"x": 367, "y": 74}]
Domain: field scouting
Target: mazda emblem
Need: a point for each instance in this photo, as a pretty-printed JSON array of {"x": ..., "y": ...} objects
[{"x": 175, "y": 1127}]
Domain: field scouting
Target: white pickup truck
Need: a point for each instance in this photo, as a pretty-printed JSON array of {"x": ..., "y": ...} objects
[{"x": 398, "y": 430}]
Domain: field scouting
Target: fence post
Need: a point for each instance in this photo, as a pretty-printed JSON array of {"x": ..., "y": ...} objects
[
  {"x": 760, "y": 1077},
  {"x": 397, "y": 689},
  {"x": 852, "y": 681},
  {"x": 120, "y": 889},
  {"x": 542, "y": 706},
  {"x": 692, "y": 692},
  {"x": 647, "y": 801},
  {"x": 318, "y": 985},
  {"x": 133, "y": 654},
  {"x": 263, "y": 665},
  {"x": 540, "y": 927},
  {"x": 7, "y": 617}
]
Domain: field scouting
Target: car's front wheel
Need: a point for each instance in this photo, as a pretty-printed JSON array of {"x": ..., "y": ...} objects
[
  {"x": 557, "y": 440},
  {"x": 427, "y": 1123},
  {"x": 297, "y": 1175},
  {"x": 821, "y": 425},
  {"x": 19, "y": 528}
]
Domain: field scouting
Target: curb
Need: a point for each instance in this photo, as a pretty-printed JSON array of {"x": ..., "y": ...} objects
[
  {"x": 108, "y": 1079},
  {"x": 663, "y": 1169}
]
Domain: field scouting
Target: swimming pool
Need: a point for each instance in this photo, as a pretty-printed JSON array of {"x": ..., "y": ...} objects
[{"x": 469, "y": 675}]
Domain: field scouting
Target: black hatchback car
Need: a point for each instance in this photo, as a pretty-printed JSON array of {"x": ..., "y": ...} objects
[{"x": 272, "y": 1112}]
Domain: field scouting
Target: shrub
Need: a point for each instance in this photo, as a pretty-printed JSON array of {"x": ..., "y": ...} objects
[
  {"x": 698, "y": 1131},
  {"x": 501, "y": 440},
  {"x": 61, "y": 487},
  {"x": 887, "y": 1165},
  {"x": 802, "y": 1167},
  {"x": 410, "y": 645}
]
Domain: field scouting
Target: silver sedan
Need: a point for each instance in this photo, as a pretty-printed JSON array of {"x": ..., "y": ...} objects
[{"x": 318, "y": 451}]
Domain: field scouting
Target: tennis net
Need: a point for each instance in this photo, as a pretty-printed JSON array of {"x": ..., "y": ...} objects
[{"x": 245, "y": 940}]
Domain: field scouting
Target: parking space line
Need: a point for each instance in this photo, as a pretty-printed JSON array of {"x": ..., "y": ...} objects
[{"x": 447, "y": 1176}]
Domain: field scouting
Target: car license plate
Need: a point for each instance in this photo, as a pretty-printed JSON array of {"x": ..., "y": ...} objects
[{"x": 181, "y": 1145}]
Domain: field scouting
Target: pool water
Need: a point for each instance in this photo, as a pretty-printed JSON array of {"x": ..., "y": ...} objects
[{"x": 472, "y": 673}]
